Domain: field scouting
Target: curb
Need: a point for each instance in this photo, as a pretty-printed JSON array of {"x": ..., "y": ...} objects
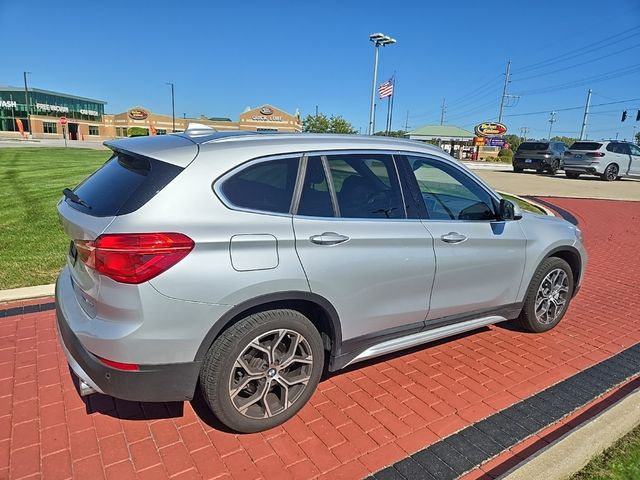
[
  {"x": 571, "y": 452},
  {"x": 27, "y": 292}
]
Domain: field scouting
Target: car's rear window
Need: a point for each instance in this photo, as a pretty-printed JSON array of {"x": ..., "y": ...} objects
[
  {"x": 585, "y": 146},
  {"x": 533, "y": 146},
  {"x": 122, "y": 185}
]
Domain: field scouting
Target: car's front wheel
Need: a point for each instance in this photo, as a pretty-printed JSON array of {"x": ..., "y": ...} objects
[
  {"x": 554, "y": 167},
  {"x": 548, "y": 296},
  {"x": 262, "y": 370}
]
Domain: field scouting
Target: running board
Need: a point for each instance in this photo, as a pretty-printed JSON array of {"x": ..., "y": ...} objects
[{"x": 426, "y": 336}]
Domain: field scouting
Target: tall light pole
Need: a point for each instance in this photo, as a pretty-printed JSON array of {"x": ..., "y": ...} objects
[
  {"x": 505, "y": 95},
  {"x": 173, "y": 106},
  {"x": 585, "y": 117},
  {"x": 26, "y": 98},
  {"x": 384, "y": 40}
]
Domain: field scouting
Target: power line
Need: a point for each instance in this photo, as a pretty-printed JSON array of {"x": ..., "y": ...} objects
[
  {"x": 572, "y": 108},
  {"x": 602, "y": 43}
]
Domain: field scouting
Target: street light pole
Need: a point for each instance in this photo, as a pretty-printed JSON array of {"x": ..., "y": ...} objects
[
  {"x": 173, "y": 106},
  {"x": 26, "y": 97},
  {"x": 377, "y": 39}
]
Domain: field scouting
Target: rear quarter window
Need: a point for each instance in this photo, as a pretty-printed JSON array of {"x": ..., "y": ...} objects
[
  {"x": 123, "y": 184},
  {"x": 265, "y": 186}
]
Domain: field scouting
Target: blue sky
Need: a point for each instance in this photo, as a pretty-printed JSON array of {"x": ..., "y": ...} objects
[{"x": 224, "y": 57}]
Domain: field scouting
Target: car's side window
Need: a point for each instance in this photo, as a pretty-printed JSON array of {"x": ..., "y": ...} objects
[
  {"x": 449, "y": 194},
  {"x": 315, "y": 198},
  {"x": 366, "y": 185},
  {"x": 624, "y": 149},
  {"x": 634, "y": 150},
  {"x": 265, "y": 186}
]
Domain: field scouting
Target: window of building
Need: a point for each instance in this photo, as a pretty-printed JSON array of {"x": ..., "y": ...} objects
[
  {"x": 266, "y": 186},
  {"x": 161, "y": 131},
  {"x": 50, "y": 127},
  {"x": 94, "y": 130}
]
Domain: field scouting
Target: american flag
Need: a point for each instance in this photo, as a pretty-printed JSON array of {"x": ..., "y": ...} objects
[{"x": 386, "y": 89}]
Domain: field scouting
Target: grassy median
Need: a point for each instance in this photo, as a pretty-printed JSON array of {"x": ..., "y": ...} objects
[
  {"x": 32, "y": 244},
  {"x": 620, "y": 462}
]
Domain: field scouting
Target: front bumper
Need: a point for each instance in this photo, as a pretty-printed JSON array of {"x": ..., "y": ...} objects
[{"x": 152, "y": 383}]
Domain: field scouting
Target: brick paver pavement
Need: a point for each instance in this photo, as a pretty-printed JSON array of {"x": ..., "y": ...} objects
[{"x": 359, "y": 420}]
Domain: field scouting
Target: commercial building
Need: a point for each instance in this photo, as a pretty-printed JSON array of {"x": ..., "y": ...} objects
[
  {"x": 86, "y": 119},
  {"x": 453, "y": 140}
]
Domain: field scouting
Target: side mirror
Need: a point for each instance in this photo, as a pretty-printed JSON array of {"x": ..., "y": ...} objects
[{"x": 509, "y": 210}]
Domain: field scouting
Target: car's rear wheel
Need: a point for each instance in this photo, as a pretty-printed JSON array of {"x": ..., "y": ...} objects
[
  {"x": 554, "y": 167},
  {"x": 572, "y": 175},
  {"x": 262, "y": 370},
  {"x": 610, "y": 173},
  {"x": 548, "y": 296}
]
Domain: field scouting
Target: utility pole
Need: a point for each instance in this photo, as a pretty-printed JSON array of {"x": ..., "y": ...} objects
[
  {"x": 316, "y": 111},
  {"x": 523, "y": 133},
  {"x": 504, "y": 90},
  {"x": 173, "y": 105},
  {"x": 552, "y": 120},
  {"x": 443, "y": 109},
  {"x": 406, "y": 123},
  {"x": 583, "y": 130}
]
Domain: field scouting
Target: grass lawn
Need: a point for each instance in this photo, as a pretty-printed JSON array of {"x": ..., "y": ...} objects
[
  {"x": 32, "y": 244},
  {"x": 524, "y": 205},
  {"x": 621, "y": 461}
]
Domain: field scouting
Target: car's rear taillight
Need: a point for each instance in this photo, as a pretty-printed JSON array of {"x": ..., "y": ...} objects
[
  {"x": 130, "y": 367},
  {"x": 595, "y": 154},
  {"x": 133, "y": 257}
]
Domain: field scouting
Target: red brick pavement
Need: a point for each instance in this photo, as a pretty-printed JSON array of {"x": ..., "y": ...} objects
[{"x": 359, "y": 420}]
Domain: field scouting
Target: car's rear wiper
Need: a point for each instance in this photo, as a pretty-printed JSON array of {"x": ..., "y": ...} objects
[{"x": 75, "y": 198}]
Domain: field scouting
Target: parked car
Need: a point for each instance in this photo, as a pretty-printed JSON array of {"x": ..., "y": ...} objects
[
  {"x": 250, "y": 264},
  {"x": 539, "y": 156},
  {"x": 609, "y": 160}
]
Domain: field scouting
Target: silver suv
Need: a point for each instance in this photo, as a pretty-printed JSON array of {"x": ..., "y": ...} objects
[
  {"x": 250, "y": 264},
  {"x": 609, "y": 160},
  {"x": 540, "y": 156}
]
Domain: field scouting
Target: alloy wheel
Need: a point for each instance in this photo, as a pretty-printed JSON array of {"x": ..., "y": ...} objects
[
  {"x": 552, "y": 296},
  {"x": 612, "y": 172},
  {"x": 270, "y": 374}
]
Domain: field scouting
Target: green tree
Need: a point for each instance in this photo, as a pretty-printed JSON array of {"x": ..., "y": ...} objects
[
  {"x": 567, "y": 140},
  {"x": 514, "y": 141},
  {"x": 322, "y": 124},
  {"x": 392, "y": 133},
  {"x": 638, "y": 138},
  {"x": 137, "y": 132}
]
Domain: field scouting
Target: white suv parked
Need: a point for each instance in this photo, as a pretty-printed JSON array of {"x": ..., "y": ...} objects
[{"x": 609, "y": 160}]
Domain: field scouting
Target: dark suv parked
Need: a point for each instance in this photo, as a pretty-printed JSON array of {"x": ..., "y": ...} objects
[{"x": 539, "y": 156}]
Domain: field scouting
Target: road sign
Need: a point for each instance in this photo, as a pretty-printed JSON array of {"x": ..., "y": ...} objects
[
  {"x": 63, "y": 120},
  {"x": 494, "y": 142}
]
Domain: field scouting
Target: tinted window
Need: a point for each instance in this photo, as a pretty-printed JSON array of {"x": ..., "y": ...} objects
[
  {"x": 449, "y": 194},
  {"x": 634, "y": 150},
  {"x": 366, "y": 186},
  {"x": 586, "y": 146},
  {"x": 123, "y": 184},
  {"x": 315, "y": 199},
  {"x": 528, "y": 146},
  {"x": 266, "y": 186}
]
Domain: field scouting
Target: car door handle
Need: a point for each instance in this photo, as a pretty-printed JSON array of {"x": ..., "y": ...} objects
[
  {"x": 328, "y": 238},
  {"x": 453, "y": 237}
]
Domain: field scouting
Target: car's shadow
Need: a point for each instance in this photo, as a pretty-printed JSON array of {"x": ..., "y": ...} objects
[{"x": 99, "y": 404}]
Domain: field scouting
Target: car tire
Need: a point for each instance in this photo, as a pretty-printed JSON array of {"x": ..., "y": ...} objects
[
  {"x": 572, "y": 175},
  {"x": 517, "y": 169},
  {"x": 283, "y": 352},
  {"x": 540, "y": 170},
  {"x": 548, "y": 296},
  {"x": 610, "y": 173},
  {"x": 554, "y": 167}
]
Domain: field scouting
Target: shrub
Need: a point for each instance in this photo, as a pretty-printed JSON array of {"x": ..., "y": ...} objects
[{"x": 137, "y": 132}]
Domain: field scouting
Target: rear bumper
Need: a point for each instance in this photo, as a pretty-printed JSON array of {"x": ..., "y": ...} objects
[
  {"x": 535, "y": 163},
  {"x": 589, "y": 169},
  {"x": 152, "y": 383}
]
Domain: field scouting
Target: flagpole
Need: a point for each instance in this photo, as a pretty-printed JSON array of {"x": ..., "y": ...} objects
[
  {"x": 386, "y": 130},
  {"x": 393, "y": 95}
]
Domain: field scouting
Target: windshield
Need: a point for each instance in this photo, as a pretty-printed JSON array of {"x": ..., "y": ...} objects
[
  {"x": 586, "y": 146},
  {"x": 533, "y": 146}
]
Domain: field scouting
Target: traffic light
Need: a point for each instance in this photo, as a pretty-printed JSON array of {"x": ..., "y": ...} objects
[
  {"x": 624, "y": 116},
  {"x": 638, "y": 116}
]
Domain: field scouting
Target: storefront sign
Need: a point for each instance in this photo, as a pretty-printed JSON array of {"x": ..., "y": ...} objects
[
  {"x": 45, "y": 107},
  {"x": 478, "y": 141},
  {"x": 264, "y": 118},
  {"x": 138, "y": 114},
  {"x": 490, "y": 128},
  {"x": 92, "y": 113},
  {"x": 8, "y": 104},
  {"x": 494, "y": 142},
  {"x": 266, "y": 111}
]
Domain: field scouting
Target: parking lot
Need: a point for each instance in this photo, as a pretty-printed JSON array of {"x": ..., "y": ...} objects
[{"x": 359, "y": 421}]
